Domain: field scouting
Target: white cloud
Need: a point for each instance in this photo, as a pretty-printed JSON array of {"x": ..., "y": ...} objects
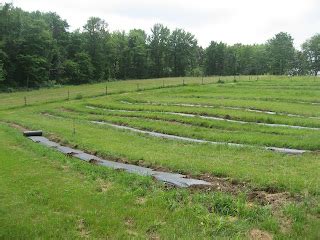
[{"x": 230, "y": 21}]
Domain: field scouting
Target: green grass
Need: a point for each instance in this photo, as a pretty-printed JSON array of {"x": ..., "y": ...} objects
[
  {"x": 45, "y": 194},
  {"x": 263, "y": 168},
  {"x": 61, "y": 93},
  {"x": 82, "y": 200},
  {"x": 206, "y": 129}
]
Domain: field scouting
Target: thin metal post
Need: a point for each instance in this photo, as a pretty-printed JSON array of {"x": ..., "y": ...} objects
[{"x": 74, "y": 127}]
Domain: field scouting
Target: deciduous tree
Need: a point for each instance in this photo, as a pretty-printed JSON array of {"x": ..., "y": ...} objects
[
  {"x": 311, "y": 49},
  {"x": 281, "y": 53}
]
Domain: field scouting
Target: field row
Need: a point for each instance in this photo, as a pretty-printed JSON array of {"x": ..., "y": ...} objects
[
  {"x": 63, "y": 93},
  {"x": 230, "y": 122}
]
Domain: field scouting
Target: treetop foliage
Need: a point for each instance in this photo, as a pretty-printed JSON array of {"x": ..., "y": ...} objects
[{"x": 37, "y": 49}]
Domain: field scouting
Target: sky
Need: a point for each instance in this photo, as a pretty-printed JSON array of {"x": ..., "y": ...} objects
[{"x": 230, "y": 21}]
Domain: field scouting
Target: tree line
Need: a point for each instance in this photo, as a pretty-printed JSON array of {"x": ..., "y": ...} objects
[{"x": 36, "y": 49}]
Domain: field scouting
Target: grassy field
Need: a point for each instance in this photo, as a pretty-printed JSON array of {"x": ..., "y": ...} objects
[
  {"x": 42, "y": 190},
  {"x": 61, "y": 93}
]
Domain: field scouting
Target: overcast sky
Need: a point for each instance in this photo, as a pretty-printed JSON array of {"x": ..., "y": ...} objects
[{"x": 230, "y": 21}]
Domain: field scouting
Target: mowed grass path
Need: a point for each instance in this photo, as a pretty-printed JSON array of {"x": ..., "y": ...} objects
[{"x": 74, "y": 185}]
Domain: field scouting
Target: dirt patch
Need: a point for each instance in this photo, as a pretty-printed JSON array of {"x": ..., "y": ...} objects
[
  {"x": 285, "y": 224},
  {"x": 256, "y": 234},
  {"x": 154, "y": 236},
  {"x": 81, "y": 227},
  {"x": 274, "y": 199},
  {"x": 65, "y": 168},
  {"x": 64, "y": 109},
  {"x": 223, "y": 184},
  {"x": 140, "y": 201},
  {"x": 269, "y": 196},
  {"x": 103, "y": 186},
  {"x": 152, "y": 231},
  {"x": 18, "y": 127},
  {"x": 232, "y": 219},
  {"x": 129, "y": 222}
]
